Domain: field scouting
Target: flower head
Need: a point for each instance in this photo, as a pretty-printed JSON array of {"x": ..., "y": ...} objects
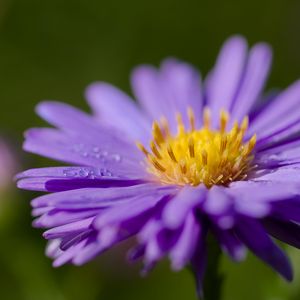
[{"x": 187, "y": 159}]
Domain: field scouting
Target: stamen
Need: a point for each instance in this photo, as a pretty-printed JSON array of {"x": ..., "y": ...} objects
[
  {"x": 183, "y": 167},
  {"x": 223, "y": 143},
  {"x": 204, "y": 157},
  {"x": 244, "y": 125},
  {"x": 157, "y": 165},
  {"x": 142, "y": 148},
  {"x": 224, "y": 117},
  {"x": 171, "y": 154},
  {"x": 191, "y": 117},
  {"x": 180, "y": 125},
  {"x": 155, "y": 150},
  {"x": 191, "y": 147},
  {"x": 206, "y": 118},
  {"x": 165, "y": 126},
  {"x": 158, "y": 136}
]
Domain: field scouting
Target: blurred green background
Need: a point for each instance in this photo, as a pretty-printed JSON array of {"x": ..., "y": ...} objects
[{"x": 52, "y": 49}]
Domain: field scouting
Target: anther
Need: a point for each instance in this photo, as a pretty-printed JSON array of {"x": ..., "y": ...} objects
[
  {"x": 191, "y": 147},
  {"x": 157, "y": 134},
  {"x": 183, "y": 167},
  {"x": 223, "y": 143},
  {"x": 171, "y": 154},
  {"x": 224, "y": 117},
  {"x": 180, "y": 126},
  {"x": 244, "y": 125},
  {"x": 204, "y": 157},
  {"x": 191, "y": 117},
  {"x": 165, "y": 126},
  {"x": 155, "y": 150},
  {"x": 142, "y": 148},
  {"x": 157, "y": 165},
  {"x": 206, "y": 117}
]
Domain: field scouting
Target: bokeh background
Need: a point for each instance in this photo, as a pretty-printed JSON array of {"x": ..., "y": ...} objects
[{"x": 52, "y": 49}]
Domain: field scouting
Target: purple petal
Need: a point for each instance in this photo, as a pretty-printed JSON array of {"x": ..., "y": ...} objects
[
  {"x": 287, "y": 210},
  {"x": 73, "y": 120},
  {"x": 68, "y": 178},
  {"x": 74, "y": 227},
  {"x": 57, "y": 217},
  {"x": 126, "y": 211},
  {"x": 199, "y": 260},
  {"x": 287, "y": 232},
  {"x": 115, "y": 108},
  {"x": 67, "y": 255},
  {"x": 179, "y": 207},
  {"x": 257, "y": 70},
  {"x": 264, "y": 191},
  {"x": 96, "y": 197},
  {"x": 284, "y": 174},
  {"x": 115, "y": 157},
  {"x": 181, "y": 85},
  {"x": 225, "y": 79},
  {"x": 253, "y": 235},
  {"x": 166, "y": 92},
  {"x": 281, "y": 107},
  {"x": 230, "y": 244},
  {"x": 184, "y": 249}
]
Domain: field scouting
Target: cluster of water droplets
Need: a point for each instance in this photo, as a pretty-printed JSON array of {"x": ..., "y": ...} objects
[
  {"x": 87, "y": 172},
  {"x": 96, "y": 152}
]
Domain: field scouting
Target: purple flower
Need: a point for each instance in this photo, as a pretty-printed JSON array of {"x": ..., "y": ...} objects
[{"x": 186, "y": 160}]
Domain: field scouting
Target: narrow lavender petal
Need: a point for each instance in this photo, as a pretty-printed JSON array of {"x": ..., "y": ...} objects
[
  {"x": 199, "y": 260},
  {"x": 115, "y": 108},
  {"x": 287, "y": 210},
  {"x": 36, "y": 212},
  {"x": 116, "y": 158},
  {"x": 253, "y": 235},
  {"x": 146, "y": 86},
  {"x": 185, "y": 248},
  {"x": 225, "y": 79},
  {"x": 284, "y": 174},
  {"x": 158, "y": 240},
  {"x": 182, "y": 86},
  {"x": 287, "y": 232},
  {"x": 122, "y": 212},
  {"x": 60, "y": 231},
  {"x": 104, "y": 197},
  {"x": 67, "y": 255},
  {"x": 71, "y": 119},
  {"x": 280, "y": 107},
  {"x": 257, "y": 70},
  {"x": 168, "y": 91},
  {"x": 220, "y": 207},
  {"x": 218, "y": 201},
  {"x": 91, "y": 250},
  {"x": 52, "y": 248},
  {"x": 57, "y": 217},
  {"x": 230, "y": 244},
  {"x": 136, "y": 253},
  {"x": 67, "y": 178},
  {"x": 265, "y": 191},
  {"x": 178, "y": 208},
  {"x": 260, "y": 204}
]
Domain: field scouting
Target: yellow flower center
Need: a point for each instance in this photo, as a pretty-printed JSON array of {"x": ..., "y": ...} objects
[{"x": 199, "y": 156}]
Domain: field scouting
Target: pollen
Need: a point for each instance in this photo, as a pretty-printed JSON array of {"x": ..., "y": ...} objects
[{"x": 199, "y": 156}]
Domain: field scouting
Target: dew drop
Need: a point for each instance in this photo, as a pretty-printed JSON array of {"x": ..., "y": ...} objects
[
  {"x": 96, "y": 149},
  {"x": 83, "y": 173},
  {"x": 116, "y": 157}
]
